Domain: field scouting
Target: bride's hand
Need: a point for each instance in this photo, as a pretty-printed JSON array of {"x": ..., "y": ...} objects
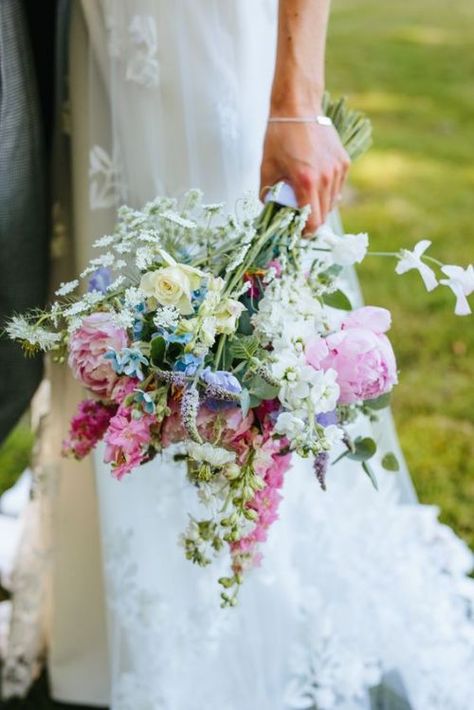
[{"x": 312, "y": 159}]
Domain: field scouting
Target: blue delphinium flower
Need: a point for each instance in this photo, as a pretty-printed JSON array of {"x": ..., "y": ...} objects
[
  {"x": 177, "y": 338},
  {"x": 145, "y": 400},
  {"x": 198, "y": 297},
  {"x": 137, "y": 327},
  {"x": 128, "y": 361},
  {"x": 188, "y": 364},
  {"x": 100, "y": 280},
  {"x": 225, "y": 380}
]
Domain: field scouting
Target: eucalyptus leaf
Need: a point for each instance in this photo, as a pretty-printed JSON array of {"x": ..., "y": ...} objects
[
  {"x": 368, "y": 470},
  {"x": 390, "y": 462},
  {"x": 338, "y": 299},
  {"x": 364, "y": 449}
]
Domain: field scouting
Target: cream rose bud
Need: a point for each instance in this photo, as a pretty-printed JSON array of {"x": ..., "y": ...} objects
[
  {"x": 227, "y": 315},
  {"x": 208, "y": 331},
  {"x": 172, "y": 286}
]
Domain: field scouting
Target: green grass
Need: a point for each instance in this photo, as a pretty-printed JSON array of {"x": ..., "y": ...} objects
[
  {"x": 14, "y": 456},
  {"x": 410, "y": 66}
]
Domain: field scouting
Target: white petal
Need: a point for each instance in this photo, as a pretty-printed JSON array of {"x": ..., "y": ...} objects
[
  {"x": 421, "y": 247},
  {"x": 428, "y": 276},
  {"x": 462, "y": 306}
]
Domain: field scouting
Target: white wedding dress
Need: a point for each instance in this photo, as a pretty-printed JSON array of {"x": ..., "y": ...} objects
[{"x": 362, "y": 600}]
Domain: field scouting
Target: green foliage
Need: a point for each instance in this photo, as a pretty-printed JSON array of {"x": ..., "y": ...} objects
[
  {"x": 338, "y": 299},
  {"x": 363, "y": 449},
  {"x": 244, "y": 347},
  {"x": 390, "y": 462},
  {"x": 14, "y": 456}
]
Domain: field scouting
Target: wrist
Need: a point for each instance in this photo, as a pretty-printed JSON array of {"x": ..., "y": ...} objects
[{"x": 303, "y": 101}]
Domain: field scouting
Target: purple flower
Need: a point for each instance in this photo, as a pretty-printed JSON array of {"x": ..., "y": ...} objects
[
  {"x": 327, "y": 418},
  {"x": 100, "y": 280},
  {"x": 221, "y": 380}
]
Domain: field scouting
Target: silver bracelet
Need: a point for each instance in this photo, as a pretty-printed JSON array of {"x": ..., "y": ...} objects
[{"x": 321, "y": 120}]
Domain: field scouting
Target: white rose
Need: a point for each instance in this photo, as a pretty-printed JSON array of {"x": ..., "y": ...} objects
[
  {"x": 227, "y": 314},
  {"x": 170, "y": 286},
  {"x": 194, "y": 275}
]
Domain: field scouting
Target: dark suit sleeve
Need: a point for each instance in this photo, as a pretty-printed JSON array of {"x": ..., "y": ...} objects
[{"x": 24, "y": 213}]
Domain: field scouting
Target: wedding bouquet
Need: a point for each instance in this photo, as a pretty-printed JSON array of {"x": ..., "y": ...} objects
[{"x": 232, "y": 340}]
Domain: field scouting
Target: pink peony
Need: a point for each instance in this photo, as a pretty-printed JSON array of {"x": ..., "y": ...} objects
[
  {"x": 362, "y": 355},
  {"x": 87, "y": 427},
  {"x": 87, "y": 347}
]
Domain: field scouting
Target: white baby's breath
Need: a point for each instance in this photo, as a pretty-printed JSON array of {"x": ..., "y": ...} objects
[
  {"x": 104, "y": 241},
  {"x": 178, "y": 219},
  {"x": 166, "y": 317},
  {"x": 66, "y": 288},
  {"x": 116, "y": 283},
  {"x": 133, "y": 297},
  {"x": 18, "y": 328}
]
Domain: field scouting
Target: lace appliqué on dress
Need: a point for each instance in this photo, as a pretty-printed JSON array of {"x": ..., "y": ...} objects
[
  {"x": 136, "y": 46},
  {"x": 106, "y": 188}
]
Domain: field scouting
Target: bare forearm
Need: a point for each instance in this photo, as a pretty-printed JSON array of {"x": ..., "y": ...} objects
[{"x": 299, "y": 80}]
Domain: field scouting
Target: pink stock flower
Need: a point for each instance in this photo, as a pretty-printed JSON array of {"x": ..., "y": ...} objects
[
  {"x": 271, "y": 465},
  {"x": 123, "y": 387},
  {"x": 276, "y": 265},
  {"x": 127, "y": 440},
  {"x": 87, "y": 427},
  {"x": 362, "y": 355},
  {"x": 87, "y": 347}
]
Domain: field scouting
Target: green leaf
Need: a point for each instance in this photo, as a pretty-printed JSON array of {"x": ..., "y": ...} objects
[
  {"x": 390, "y": 462},
  {"x": 245, "y": 402},
  {"x": 371, "y": 474},
  {"x": 338, "y": 299},
  {"x": 245, "y": 326},
  {"x": 244, "y": 347},
  {"x": 259, "y": 388},
  {"x": 254, "y": 401},
  {"x": 380, "y": 402},
  {"x": 173, "y": 351},
  {"x": 364, "y": 449},
  {"x": 157, "y": 350}
]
